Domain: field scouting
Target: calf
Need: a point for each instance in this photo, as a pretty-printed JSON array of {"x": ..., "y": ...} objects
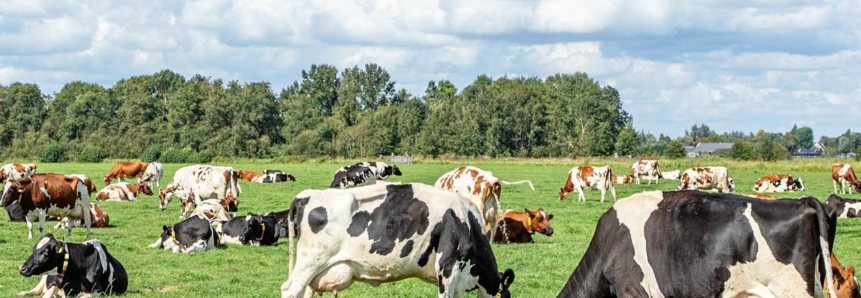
[
  {"x": 83, "y": 269},
  {"x": 648, "y": 168},
  {"x": 123, "y": 191},
  {"x": 193, "y": 235},
  {"x": 844, "y": 278},
  {"x": 778, "y": 183},
  {"x": 42, "y": 195},
  {"x": 842, "y": 207},
  {"x": 122, "y": 170},
  {"x": 353, "y": 176},
  {"x": 98, "y": 219},
  {"x": 587, "y": 177},
  {"x": 698, "y": 244},
  {"x": 213, "y": 210},
  {"x": 671, "y": 175},
  {"x": 154, "y": 171},
  {"x": 191, "y": 203},
  {"x": 251, "y": 229},
  {"x": 16, "y": 171},
  {"x": 518, "y": 227},
  {"x": 385, "y": 233},
  {"x": 621, "y": 179},
  {"x": 201, "y": 182},
  {"x": 381, "y": 169},
  {"x": 706, "y": 178},
  {"x": 842, "y": 173}
]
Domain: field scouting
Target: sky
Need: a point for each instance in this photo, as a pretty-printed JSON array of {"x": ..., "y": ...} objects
[{"x": 732, "y": 64}]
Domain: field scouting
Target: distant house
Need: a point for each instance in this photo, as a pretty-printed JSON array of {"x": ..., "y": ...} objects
[
  {"x": 817, "y": 151},
  {"x": 709, "y": 149}
]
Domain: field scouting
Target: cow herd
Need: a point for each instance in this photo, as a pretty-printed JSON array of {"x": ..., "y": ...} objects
[{"x": 681, "y": 243}]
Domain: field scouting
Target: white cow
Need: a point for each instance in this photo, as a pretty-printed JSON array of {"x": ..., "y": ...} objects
[
  {"x": 123, "y": 191},
  {"x": 212, "y": 210},
  {"x": 648, "y": 168},
  {"x": 154, "y": 171},
  {"x": 671, "y": 175},
  {"x": 707, "y": 178},
  {"x": 588, "y": 177},
  {"x": 201, "y": 182}
]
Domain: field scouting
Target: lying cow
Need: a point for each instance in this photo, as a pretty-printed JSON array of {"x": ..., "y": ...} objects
[
  {"x": 154, "y": 171},
  {"x": 213, "y": 210},
  {"x": 190, "y": 203},
  {"x": 200, "y": 182},
  {"x": 43, "y": 195},
  {"x": 671, "y": 175},
  {"x": 844, "y": 174},
  {"x": 122, "y": 170},
  {"x": 353, "y": 176},
  {"x": 382, "y": 170},
  {"x": 588, "y": 177},
  {"x": 706, "y": 178},
  {"x": 192, "y": 235},
  {"x": 844, "y": 278},
  {"x": 842, "y": 207},
  {"x": 268, "y": 176},
  {"x": 778, "y": 183},
  {"x": 697, "y": 244},
  {"x": 518, "y": 227},
  {"x": 123, "y": 191},
  {"x": 83, "y": 269},
  {"x": 648, "y": 168},
  {"x": 384, "y": 233},
  {"x": 622, "y": 179},
  {"x": 98, "y": 219},
  {"x": 481, "y": 188},
  {"x": 16, "y": 171},
  {"x": 251, "y": 229}
]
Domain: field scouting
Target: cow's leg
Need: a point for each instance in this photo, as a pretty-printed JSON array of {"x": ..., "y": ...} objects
[
  {"x": 603, "y": 192},
  {"x": 613, "y": 191},
  {"x": 31, "y": 216},
  {"x": 306, "y": 269},
  {"x": 834, "y": 183},
  {"x": 42, "y": 218},
  {"x": 38, "y": 290},
  {"x": 157, "y": 243}
]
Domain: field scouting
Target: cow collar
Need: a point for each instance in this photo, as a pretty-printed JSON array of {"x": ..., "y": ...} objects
[
  {"x": 20, "y": 195},
  {"x": 499, "y": 293},
  {"x": 173, "y": 234},
  {"x": 64, "y": 249},
  {"x": 263, "y": 231}
]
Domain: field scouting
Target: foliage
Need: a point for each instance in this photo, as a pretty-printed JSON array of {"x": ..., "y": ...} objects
[
  {"x": 675, "y": 150},
  {"x": 174, "y": 155},
  {"x": 626, "y": 142},
  {"x": 55, "y": 152},
  {"x": 91, "y": 154},
  {"x": 151, "y": 154},
  {"x": 202, "y": 157},
  {"x": 742, "y": 150}
]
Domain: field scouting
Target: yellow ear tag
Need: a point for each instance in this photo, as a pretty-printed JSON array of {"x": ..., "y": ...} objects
[{"x": 529, "y": 221}]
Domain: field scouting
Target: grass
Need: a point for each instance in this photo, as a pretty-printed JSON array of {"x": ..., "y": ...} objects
[{"x": 542, "y": 268}]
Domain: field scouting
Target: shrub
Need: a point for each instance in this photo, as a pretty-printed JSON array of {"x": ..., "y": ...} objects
[
  {"x": 151, "y": 154},
  {"x": 675, "y": 150},
  {"x": 92, "y": 154},
  {"x": 55, "y": 152},
  {"x": 204, "y": 156},
  {"x": 174, "y": 155}
]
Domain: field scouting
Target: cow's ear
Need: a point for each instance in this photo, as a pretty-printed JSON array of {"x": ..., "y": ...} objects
[
  {"x": 165, "y": 228},
  {"x": 507, "y": 278},
  {"x": 851, "y": 270},
  {"x": 549, "y": 216},
  {"x": 527, "y": 211}
]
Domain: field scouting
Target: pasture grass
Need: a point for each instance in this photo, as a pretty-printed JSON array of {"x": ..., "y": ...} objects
[{"x": 542, "y": 268}]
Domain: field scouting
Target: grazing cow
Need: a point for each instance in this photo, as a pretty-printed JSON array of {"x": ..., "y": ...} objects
[
  {"x": 648, "y": 168},
  {"x": 83, "y": 269},
  {"x": 154, "y": 171},
  {"x": 123, "y": 170},
  {"x": 481, "y": 188},
  {"x": 847, "y": 284},
  {"x": 842, "y": 207},
  {"x": 16, "y": 171},
  {"x": 91, "y": 187},
  {"x": 698, "y": 244},
  {"x": 42, "y": 195},
  {"x": 706, "y": 178},
  {"x": 381, "y": 169},
  {"x": 353, "y": 176},
  {"x": 778, "y": 183},
  {"x": 622, "y": 179},
  {"x": 98, "y": 219},
  {"x": 588, "y": 177},
  {"x": 200, "y": 182},
  {"x": 385, "y": 233},
  {"x": 842, "y": 173},
  {"x": 671, "y": 175},
  {"x": 252, "y": 229},
  {"x": 192, "y": 235},
  {"x": 213, "y": 210},
  {"x": 518, "y": 227},
  {"x": 123, "y": 191}
]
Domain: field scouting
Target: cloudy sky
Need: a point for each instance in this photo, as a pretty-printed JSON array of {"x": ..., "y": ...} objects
[{"x": 735, "y": 65}]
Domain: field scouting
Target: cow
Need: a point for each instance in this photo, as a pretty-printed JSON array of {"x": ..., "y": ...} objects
[
  {"x": 706, "y": 178},
  {"x": 98, "y": 219},
  {"x": 842, "y": 207},
  {"x": 588, "y": 177},
  {"x": 382, "y": 170},
  {"x": 842, "y": 173},
  {"x": 252, "y": 229},
  {"x": 353, "y": 176},
  {"x": 518, "y": 227},
  {"x": 648, "y": 168},
  {"x": 190, "y": 203},
  {"x": 699, "y": 244},
  {"x": 192, "y": 235},
  {"x": 42, "y": 195},
  {"x": 122, "y": 170},
  {"x": 621, "y": 179},
  {"x": 83, "y": 269},
  {"x": 384, "y": 233},
  {"x": 123, "y": 191},
  {"x": 481, "y": 188},
  {"x": 154, "y": 171},
  {"x": 671, "y": 175},
  {"x": 16, "y": 171},
  {"x": 213, "y": 210},
  {"x": 844, "y": 278},
  {"x": 201, "y": 182},
  {"x": 778, "y": 183},
  {"x": 274, "y": 176},
  {"x": 91, "y": 187}
]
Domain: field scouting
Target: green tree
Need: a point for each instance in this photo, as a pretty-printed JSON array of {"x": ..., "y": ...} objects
[
  {"x": 626, "y": 142},
  {"x": 675, "y": 150},
  {"x": 741, "y": 150}
]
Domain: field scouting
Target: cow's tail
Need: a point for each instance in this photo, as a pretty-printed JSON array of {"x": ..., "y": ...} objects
[
  {"x": 608, "y": 179},
  {"x": 518, "y": 182},
  {"x": 827, "y": 228}
]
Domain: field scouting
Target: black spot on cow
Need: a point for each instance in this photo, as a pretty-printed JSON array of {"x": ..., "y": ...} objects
[
  {"x": 317, "y": 219},
  {"x": 441, "y": 286},
  {"x": 398, "y": 218},
  {"x": 359, "y": 224},
  {"x": 297, "y": 210},
  {"x": 407, "y": 249}
]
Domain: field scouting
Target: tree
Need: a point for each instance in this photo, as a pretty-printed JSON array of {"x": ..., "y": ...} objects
[
  {"x": 741, "y": 150},
  {"x": 675, "y": 150},
  {"x": 626, "y": 142}
]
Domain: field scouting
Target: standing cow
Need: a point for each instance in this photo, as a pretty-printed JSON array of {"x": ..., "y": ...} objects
[
  {"x": 16, "y": 171},
  {"x": 706, "y": 178},
  {"x": 154, "y": 171},
  {"x": 778, "y": 183},
  {"x": 384, "y": 233},
  {"x": 481, "y": 188},
  {"x": 122, "y": 170},
  {"x": 588, "y": 177},
  {"x": 382, "y": 170},
  {"x": 842, "y": 173},
  {"x": 42, "y": 195},
  {"x": 648, "y": 168},
  {"x": 201, "y": 182}
]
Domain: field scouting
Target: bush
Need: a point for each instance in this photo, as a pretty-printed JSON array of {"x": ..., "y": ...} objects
[
  {"x": 174, "y": 155},
  {"x": 55, "y": 152},
  {"x": 675, "y": 150},
  {"x": 204, "y": 156},
  {"x": 741, "y": 150},
  {"x": 151, "y": 154},
  {"x": 92, "y": 154}
]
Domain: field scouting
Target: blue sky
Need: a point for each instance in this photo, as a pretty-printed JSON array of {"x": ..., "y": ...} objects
[{"x": 735, "y": 65}]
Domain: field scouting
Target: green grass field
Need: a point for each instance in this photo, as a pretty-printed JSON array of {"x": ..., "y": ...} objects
[{"x": 542, "y": 268}]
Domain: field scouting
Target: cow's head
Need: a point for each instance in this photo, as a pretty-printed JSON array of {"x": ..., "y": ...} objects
[
  {"x": 164, "y": 197},
  {"x": 46, "y": 256},
  {"x": 144, "y": 188},
  {"x": 562, "y": 193},
  {"x": 540, "y": 221},
  {"x": 2, "y": 176},
  {"x": 107, "y": 180},
  {"x": 857, "y": 185},
  {"x": 168, "y": 242},
  {"x": 730, "y": 184},
  {"x": 250, "y": 228},
  {"x": 230, "y": 204},
  {"x": 291, "y": 178},
  {"x": 14, "y": 191},
  {"x": 505, "y": 280}
]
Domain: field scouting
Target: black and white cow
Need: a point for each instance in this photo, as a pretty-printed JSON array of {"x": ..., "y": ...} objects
[
  {"x": 251, "y": 229},
  {"x": 843, "y": 208},
  {"x": 697, "y": 244},
  {"x": 385, "y": 233},
  {"x": 353, "y": 176},
  {"x": 274, "y": 176},
  {"x": 381, "y": 169},
  {"x": 192, "y": 235},
  {"x": 82, "y": 269}
]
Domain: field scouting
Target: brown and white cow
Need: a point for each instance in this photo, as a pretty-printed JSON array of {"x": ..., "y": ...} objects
[
  {"x": 249, "y": 176},
  {"x": 91, "y": 187},
  {"x": 201, "y": 182},
  {"x": 518, "y": 227},
  {"x": 98, "y": 217},
  {"x": 588, "y": 177},
  {"x": 648, "y": 168},
  {"x": 481, "y": 188},
  {"x": 842, "y": 173},
  {"x": 16, "y": 171},
  {"x": 42, "y": 195},
  {"x": 122, "y": 170},
  {"x": 706, "y": 178},
  {"x": 622, "y": 179},
  {"x": 123, "y": 191},
  {"x": 778, "y": 183}
]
